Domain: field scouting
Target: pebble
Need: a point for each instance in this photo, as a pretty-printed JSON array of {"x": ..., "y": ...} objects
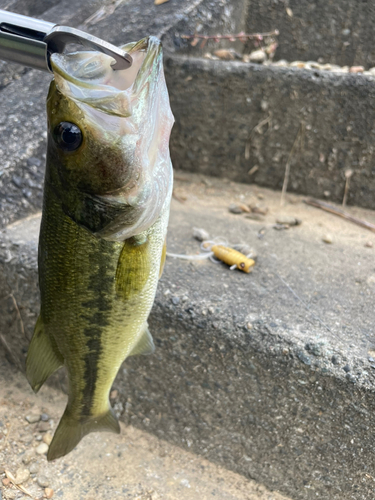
[
  {"x": 369, "y": 244},
  {"x": 175, "y": 300},
  {"x": 34, "y": 468},
  {"x": 346, "y": 368},
  {"x": 235, "y": 209},
  {"x": 200, "y": 234},
  {"x": 113, "y": 395},
  {"x": 42, "y": 449},
  {"x": 257, "y": 56},
  {"x": 327, "y": 238},
  {"x": 44, "y": 417},
  {"x": 32, "y": 419},
  {"x": 288, "y": 220},
  {"x": 22, "y": 475},
  {"x": 28, "y": 456},
  {"x": 44, "y": 427},
  {"x": 257, "y": 217},
  {"x": 356, "y": 69},
  {"x": 47, "y": 438},
  {"x": 43, "y": 481},
  {"x": 297, "y": 64},
  {"x": 48, "y": 492},
  {"x": 302, "y": 357},
  {"x": 227, "y": 54}
]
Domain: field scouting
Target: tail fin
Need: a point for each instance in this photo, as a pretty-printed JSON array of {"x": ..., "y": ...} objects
[
  {"x": 43, "y": 357},
  {"x": 70, "y": 432}
]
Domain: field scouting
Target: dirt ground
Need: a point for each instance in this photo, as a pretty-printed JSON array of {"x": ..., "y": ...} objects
[{"x": 134, "y": 465}]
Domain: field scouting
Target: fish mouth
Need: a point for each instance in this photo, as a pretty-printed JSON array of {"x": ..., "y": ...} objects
[{"x": 88, "y": 77}]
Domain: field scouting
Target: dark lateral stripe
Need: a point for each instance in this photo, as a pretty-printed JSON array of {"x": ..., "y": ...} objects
[{"x": 97, "y": 311}]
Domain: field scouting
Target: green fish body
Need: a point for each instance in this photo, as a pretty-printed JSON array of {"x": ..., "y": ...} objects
[{"x": 102, "y": 241}]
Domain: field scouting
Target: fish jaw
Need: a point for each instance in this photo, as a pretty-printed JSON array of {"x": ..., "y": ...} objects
[{"x": 123, "y": 161}]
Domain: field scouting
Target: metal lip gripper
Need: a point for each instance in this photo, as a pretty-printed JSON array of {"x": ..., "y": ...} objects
[{"x": 31, "y": 42}]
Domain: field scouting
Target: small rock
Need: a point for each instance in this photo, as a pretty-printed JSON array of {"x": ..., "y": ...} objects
[
  {"x": 43, "y": 481},
  {"x": 297, "y": 64},
  {"x": 345, "y": 32},
  {"x": 369, "y": 244},
  {"x": 335, "y": 360},
  {"x": 39, "y": 437},
  {"x": 42, "y": 449},
  {"x": 11, "y": 494},
  {"x": 280, "y": 227},
  {"x": 44, "y": 417},
  {"x": 227, "y": 54},
  {"x": 44, "y": 427},
  {"x": 200, "y": 234},
  {"x": 283, "y": 63},
  {"x": 356, "y": 69},
  {"x": 264, "y": 105},
  {"x": 257, "y": 217},
  {"x": 346, "y": 368},
  {"x": 259, "y": 210},
  {"x": 47, "y": 438},
  {"x": 6, "y": 481},
  {"x": 33, "y": 418},
  {"x": 235, "y": 209},
  {"x": 113, "y": 395},
  {"x": 257, "y": 56},
  {"x": 175, "y": 300},
  {"x": 28, "y": 456},
  {"x": 351, "y": 378},
  {"x": 34, "y": 468},
  {"x": 372, "y": 71},
  {"x": 22, "y": 475},
  {"x": 371, "y": 359},
  {"x": 327, "y": 238},
  {"x": 288, "y": 220},
  {"x": 302, "y": 357},
  {"x": 48, "y": 492}
]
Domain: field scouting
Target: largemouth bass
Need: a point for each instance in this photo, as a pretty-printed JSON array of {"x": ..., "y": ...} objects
[{"x": 107, "y": 193}]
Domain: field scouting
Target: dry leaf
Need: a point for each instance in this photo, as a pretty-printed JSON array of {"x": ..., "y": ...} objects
[
  {"x": 159, "y": 2},
  {"x": 289, "y": 12},
  {"x": 18, "y": 486},
  {"x": 194, "y": 42}
]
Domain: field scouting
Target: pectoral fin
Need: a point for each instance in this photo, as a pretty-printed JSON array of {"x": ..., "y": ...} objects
[
  {"x": 133, "y": 268},
  {"x": 145, "y": 345},
  {"x": 163, "y": 256},
  {"x": 43, "y": 357}
]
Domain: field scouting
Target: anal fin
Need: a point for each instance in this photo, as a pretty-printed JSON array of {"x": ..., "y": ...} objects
[
  {"x": 145, "y": 344},
  {"x": 70, "y": 431},
  {"x": 43, "y": 357}
]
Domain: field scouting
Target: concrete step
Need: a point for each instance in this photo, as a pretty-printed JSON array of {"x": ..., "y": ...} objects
[
  {"x": 270, "y": 374},
  {"x": 132, "y": 466}
]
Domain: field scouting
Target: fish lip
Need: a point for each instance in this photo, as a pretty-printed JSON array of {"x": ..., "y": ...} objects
[{"x": 151, "y": 45}]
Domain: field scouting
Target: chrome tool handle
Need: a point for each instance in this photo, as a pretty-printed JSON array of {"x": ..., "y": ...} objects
[{"x": 31, "y": 42}]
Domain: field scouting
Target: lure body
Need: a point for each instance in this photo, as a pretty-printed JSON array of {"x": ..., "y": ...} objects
[
  {"x": 233, "y": 257},
  {"x": 104, "y": 223}
]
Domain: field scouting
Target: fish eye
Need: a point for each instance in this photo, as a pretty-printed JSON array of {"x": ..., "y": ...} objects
[{"x": 68, "y": 136}]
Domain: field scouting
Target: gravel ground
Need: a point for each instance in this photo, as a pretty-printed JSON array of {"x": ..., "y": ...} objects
[{"x": 134, "y": 465}]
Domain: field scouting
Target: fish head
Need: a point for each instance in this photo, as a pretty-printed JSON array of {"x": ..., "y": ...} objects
[{"x": 108, "y": 139}]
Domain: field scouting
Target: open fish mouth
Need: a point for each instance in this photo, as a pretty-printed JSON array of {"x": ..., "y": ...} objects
[
  {"x": 88, "y": 76},
  {"x": 125, "y": 120}
]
